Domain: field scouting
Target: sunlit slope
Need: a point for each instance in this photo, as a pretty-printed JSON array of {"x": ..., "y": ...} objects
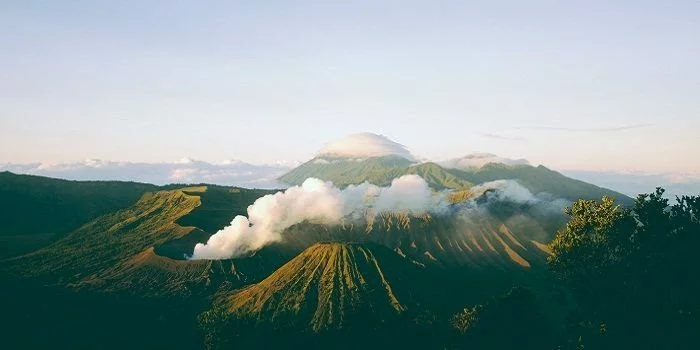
[
  {"x": 381, "y": 170},
  {"x": 328, "y": 286},
  {"x": 478, "y": 242},
  {"x": 128, "y": 249},
  {"x": 112, "y": 238},
  {"x": 481, "y": 242},
  {"x": 343, "y": 171},
  {"x": 35, "y": 210},
  {"x": 377, "y": 170},
  {"x": 539, "y": 179}
]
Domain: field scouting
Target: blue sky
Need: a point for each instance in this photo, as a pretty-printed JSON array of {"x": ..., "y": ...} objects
[{"x": 589, "y": 85}]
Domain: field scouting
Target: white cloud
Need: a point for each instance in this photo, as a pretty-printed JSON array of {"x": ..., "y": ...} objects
[
  {"x": 508, "y": 190},
  {"x": 364, "y": 145}
]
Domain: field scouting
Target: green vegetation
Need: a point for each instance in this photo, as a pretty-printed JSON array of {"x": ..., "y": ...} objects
[
  {"x": 378, "y": 170},
  {"x": 511, "y": 321},
  {"x": 111, "y": 239},
  {"x": 36, "y": 210},
  {"x": 539, "y": 179},
  {"x": 381, "y": 170},
  {"x": 632, "y": 272},
  {"x": 219, "y": 206}
]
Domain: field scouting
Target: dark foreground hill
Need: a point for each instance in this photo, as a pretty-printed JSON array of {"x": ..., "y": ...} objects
[{"x": 123, "y": 280}]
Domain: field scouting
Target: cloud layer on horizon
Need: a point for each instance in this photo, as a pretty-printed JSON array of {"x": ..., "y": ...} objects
[
  {"x": 634, "y": 183},
  {"x": 232, "y": 173},
  {"x": 352, "y": 147}
]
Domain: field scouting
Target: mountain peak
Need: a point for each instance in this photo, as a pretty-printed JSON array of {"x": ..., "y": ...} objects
[
  {"x": 324, "y": 287},
  {"x": 364, "y": 145}
]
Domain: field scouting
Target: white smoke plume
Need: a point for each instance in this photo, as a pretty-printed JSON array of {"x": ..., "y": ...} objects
[
  {"x": 540, "y": 205},
  {"x": 314, "y": 201},
  {"x": 508, "y": 190}
]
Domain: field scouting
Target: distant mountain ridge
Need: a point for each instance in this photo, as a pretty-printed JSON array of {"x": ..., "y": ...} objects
[
  {"x": 381, "y": 170},
  {"x": 376, "y": 170}
]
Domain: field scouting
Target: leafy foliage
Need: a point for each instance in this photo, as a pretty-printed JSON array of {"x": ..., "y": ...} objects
[
  {"x": 632, "y": 271},
  {"x": 512, "y": 321},
  {"x": 466, "y": 319}
]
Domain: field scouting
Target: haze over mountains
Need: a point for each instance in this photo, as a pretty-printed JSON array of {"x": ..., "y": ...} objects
[
  {"x": 355, "y": 146},
  {"x": 230, "y": 172}
]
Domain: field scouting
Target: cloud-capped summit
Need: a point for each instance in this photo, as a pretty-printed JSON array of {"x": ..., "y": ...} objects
[{"x": 364, "y": 145}]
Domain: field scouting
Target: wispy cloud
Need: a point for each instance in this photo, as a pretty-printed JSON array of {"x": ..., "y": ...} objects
[
  {"x": 601, "y": 129},
  {"x": 498, "y": 136},
  {"x": 506, "y": 134},
  {"x": 633, "y": 183}
]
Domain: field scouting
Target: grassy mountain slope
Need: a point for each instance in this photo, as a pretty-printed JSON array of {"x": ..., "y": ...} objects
[
  {"x": 539, "y": 179},
  {"x": 437, "y": 177},
  {"x": 378, "y": 170},
  {"x": 112, "y": 238},
  {"x": 141, "y": 248},
  {"x": 381, "y": 170},
  {"x": 328, "y": 286},
  {"x": 35, "y": 210},
  {"x": 344, "y": 171}
]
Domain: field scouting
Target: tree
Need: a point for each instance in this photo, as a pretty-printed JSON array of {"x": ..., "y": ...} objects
[
  {"x": 596, "y": 239},
  {"x": 632, "y": 271},
  {"x": 510, "y": 321},
  {"x": 464, "y": 320}
]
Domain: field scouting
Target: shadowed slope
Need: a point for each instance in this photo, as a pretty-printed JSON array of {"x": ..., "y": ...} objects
[{"x": 36, "y": 210}]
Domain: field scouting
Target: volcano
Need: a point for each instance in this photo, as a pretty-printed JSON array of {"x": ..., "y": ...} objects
[{"x": 329, "y": 286}]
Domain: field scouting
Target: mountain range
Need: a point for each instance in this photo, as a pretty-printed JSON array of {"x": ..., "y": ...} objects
[
  {"x": 118, "y": 254},
  {"x": 242, "y": 174}
]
